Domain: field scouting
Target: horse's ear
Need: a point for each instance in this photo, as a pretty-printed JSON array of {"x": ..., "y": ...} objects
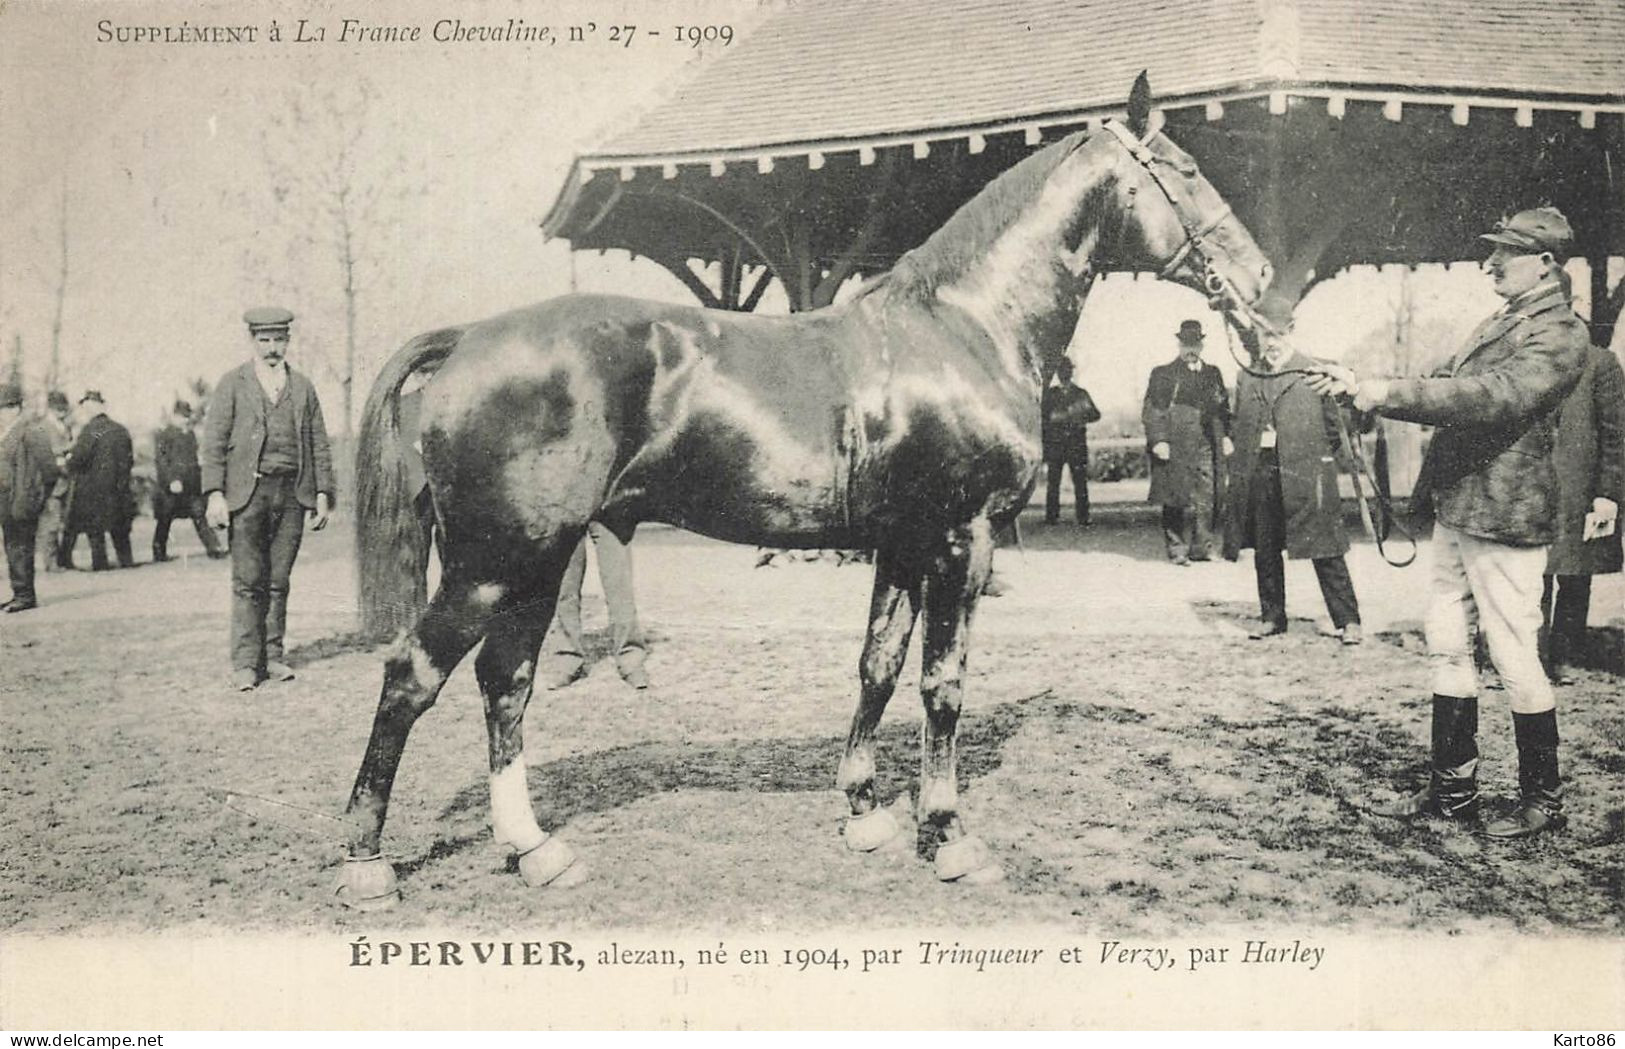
[{"x": 1139, "y": 105}]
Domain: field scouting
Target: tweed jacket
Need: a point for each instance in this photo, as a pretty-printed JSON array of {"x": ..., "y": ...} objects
[
  {"x": 1489, "y": 471},
  {"x": 27, "y": 470},
  {"x": 234, "y": 436}
]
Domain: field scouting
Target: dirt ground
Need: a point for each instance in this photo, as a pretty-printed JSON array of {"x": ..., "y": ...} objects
[{"x": 1133, "y": 760}]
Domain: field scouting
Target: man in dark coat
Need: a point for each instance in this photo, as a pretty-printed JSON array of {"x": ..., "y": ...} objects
[
  {"x": 1068, "y": 410},
  {"x": 266, "y": 467},
  {"x": 100, "y": 465},
  {"x": 179, "y": 488},
  {"x": 1489, "y": 479},
  {"x": 1187, "y": 432},
  {"x": 27, "y": 475},
  {"x": 53, "y": 523},
  {"x": 1283, "y": 490},
  {"x": 1590, "y": 458}
]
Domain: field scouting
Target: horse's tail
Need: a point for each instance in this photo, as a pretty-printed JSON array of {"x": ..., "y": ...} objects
[{"x": 392, "y": 542}]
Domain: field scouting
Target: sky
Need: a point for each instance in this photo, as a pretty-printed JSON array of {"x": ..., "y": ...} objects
[{"x": 180, "y": 167}]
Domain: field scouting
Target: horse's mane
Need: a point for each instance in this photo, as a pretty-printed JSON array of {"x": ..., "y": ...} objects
[{"x": 971, "y": 230}]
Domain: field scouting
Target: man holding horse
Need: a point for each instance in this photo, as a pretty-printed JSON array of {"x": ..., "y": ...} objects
[
  {"x": 1187, "y": 431},
  {"x": 1489, "y": 479},
  {"x": 266, "y": 468}
]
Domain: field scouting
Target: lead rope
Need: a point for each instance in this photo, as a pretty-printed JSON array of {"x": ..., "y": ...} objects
[{"x": 1356, "y": 451}]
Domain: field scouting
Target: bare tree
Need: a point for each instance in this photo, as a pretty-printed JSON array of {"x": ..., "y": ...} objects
[{"x": 338, "y": 182}]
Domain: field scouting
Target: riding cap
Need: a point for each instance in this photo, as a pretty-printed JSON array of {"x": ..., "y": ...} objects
[
  {"x": 267, "y": 318},
  {"x": 11, "y": 395},
  {"x": 1534, "y": 230},
  {"x": 1191, "y": 331}
]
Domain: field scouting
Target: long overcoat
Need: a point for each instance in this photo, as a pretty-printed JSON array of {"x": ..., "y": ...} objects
[
  {"x": 100, "y": 465},
  {"x": 1590, "y": 461},
  {"x": 1307, "y": 446},
  {"x": 1488, "y": 472},
  {"x": 1193, "y": 431},
  {"x": 27, "y": 470}
]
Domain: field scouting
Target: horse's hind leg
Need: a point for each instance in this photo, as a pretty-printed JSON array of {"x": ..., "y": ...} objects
[
  {"x": 953, "y": 581},
  {"x": 506, "y": 669},
  {"x": 893, "y": 607},
  {"x": 414, "y": 672}
]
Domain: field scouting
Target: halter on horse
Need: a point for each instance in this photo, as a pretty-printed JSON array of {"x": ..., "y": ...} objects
[{"x": 902, "y": 421}]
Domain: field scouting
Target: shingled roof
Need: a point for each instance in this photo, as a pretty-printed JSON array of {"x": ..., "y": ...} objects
[{"x": 843, "y": 71}]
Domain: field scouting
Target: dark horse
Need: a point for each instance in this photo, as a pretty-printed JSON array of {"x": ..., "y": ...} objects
[{"x": 902, "y": 421}]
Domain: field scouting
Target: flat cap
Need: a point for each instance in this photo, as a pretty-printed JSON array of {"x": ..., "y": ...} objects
[
  {"x": 11, "y": 395},
  {"x": 182, "y": 408},
  {"x": 268, "y": 318},
  {"x": 1534, "y": 230},
  {"x": 56, "y": 400}
]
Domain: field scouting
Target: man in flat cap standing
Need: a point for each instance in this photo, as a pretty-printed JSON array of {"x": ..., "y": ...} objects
[
  {"x": 100, "y": 465},
  {"x": 266, "y": 466},
  {"x": 1490, "y": 481},
  {"x": 27, "y": 475},
  {"x": 1187, "y": 431}
]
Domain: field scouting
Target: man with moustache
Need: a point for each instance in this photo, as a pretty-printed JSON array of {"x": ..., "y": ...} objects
[
  {"x": 1187, "y": 431},
  {"x": 1490, "y": 481},
  {"x": 266, "y": 468}
]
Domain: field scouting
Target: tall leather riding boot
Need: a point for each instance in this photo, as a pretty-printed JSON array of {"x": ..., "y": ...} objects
[
  {"x": 1540, "y": 790},
  {"x": 1452, "y": 790}
]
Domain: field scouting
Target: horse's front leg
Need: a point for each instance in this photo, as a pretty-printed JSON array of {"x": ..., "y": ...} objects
[
  {"x": 953, "y": 582},
  {"x": 893, "y": 607},
  {"x": 414, "y": 672},
  {"x": 506, "y": 671}
]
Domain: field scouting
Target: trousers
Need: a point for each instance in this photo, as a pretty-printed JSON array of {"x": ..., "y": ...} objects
[
  {"x": 615, "y": 574},
  {"x": 265, "y": 537},
  {"x": 1503, "y": 584},
  {"x": 19, "y": 536},
  {"x": 1079, "y": 468}
]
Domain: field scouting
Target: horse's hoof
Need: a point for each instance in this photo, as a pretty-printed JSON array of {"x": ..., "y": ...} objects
[
  {"x": 368, "y": 884},
  {"x": 967, "y": 860},
  {"x": 870, "y": 831},
  {"x": 551, "y": 863}
]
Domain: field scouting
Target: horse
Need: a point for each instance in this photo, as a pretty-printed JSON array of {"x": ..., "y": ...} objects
[{"x": 902, "y": 420}]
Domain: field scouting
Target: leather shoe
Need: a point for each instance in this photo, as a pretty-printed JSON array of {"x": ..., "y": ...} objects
[
  {"x": 1352, "y": 634},
  {"x": 17, "y": 605},
  {"x": 1525, "y": 821},
  {"x": 564, "y": 674},
  {"x": 244, "y": 680},
  {"x": 1263, "y": 630},
  {"x": 1460, "y": 802},
  {"x": 276, "y": 671}
]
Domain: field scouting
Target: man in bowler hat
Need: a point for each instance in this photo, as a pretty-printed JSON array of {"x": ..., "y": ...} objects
[
  {"x": 101, "y": 503},
  {"x": 27, "y": 474},
  {"x": 1490, "y": 482},
  {"x": 1187, "y": 431},
  {"x": 266, "y": 468}
]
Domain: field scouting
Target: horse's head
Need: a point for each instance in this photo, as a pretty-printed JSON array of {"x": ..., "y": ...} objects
[{"x": 1179, "y": 225}]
